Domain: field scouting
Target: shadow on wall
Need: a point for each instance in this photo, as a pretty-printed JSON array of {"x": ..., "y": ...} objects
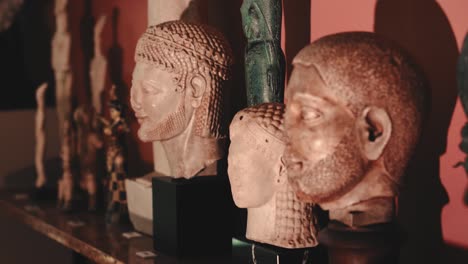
[
  {"x": 297, "y": 28},
  {"x": 422, "y": 28},
  {"x": 136, "y": 165}
]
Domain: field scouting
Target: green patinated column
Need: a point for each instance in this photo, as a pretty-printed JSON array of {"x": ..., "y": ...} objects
[
  {"x": 462, "y": 81},
  {"x": 264, "y": 59}
]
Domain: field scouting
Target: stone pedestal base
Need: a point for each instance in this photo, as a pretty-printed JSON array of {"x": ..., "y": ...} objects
[
  {"x": 252, "y": 252},
  {"x": 377, "y": 244},
  {"x": 192, "y": 217}
]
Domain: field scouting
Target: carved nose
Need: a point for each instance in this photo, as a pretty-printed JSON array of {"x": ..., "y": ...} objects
[
  {"x": 292, "y": 162},
  {"x": 135, "y": 99}
]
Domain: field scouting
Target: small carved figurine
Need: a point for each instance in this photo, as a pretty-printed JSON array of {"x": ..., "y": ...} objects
[
  {"x": 114, "y": 133},
  {"x": 88, "y": 144},
  {"x": 356, "y": 106},
  {"x": 259, "y": 180},
  {"x": 65, "y": 184},
  {"x": 41, "y": 178},
  {"x": 61, "y": 44},
  {"x": 264, "y": 59},
  {"x": 98, "y": 67},
  {"x": 177, "y": 94}
]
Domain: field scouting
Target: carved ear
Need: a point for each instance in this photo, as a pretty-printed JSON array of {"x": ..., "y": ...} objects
[
  {"x": 282, "y": 174},
  {"x": 375, "y": 131},
  {"x": 198, "y": 86}
]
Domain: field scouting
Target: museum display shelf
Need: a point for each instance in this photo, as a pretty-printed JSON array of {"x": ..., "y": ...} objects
[{"x": 88, "y": 235}]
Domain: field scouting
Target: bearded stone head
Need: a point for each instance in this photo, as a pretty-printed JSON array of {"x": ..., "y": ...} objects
[
  {"x": 178, "y": 79},
  {"x": 355, "y": 103}
]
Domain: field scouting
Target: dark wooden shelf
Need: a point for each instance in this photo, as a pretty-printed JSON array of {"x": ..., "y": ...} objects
[{"x": 94, "y": 240}]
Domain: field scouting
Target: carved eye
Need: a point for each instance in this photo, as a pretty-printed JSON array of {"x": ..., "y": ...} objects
[
  {"x": 310, "y": 114},
  {"x": 150, "y": 88}
]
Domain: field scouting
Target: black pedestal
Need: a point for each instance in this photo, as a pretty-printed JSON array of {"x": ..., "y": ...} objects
[
  {"x": 192, "y": 217},
  {"x": 251, "y": 252},
  {"x": 376, "y": 244}
]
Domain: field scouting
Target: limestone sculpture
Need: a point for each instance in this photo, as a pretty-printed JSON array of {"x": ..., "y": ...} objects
[
  {"x": 41, "y": 178},
  {"x": 177, "y": 94},
  {"x": 66, "y": 184},
  {"x": 98, "y": 66},
  {"x": 356, "y": 106},
  {"x": 61, "y": 44},
  {"x": 264, "y": 59},
  {"x": 259, "y": 180}
]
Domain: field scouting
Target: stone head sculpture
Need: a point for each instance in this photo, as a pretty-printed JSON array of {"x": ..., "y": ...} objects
[
  {"x": 177, "y": 93},
  {"x": 259, "y": 181},
  {"x": 355, "y": 109}
]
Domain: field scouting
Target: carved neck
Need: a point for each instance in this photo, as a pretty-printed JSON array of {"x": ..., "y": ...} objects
[
  {"x": 295, "y": 220},
  {"x": 261, "y": 222},
  {"x": 188, "y": 154},
  {"x": 370, "y": 201},
  {"x": 284, "y": 221}
]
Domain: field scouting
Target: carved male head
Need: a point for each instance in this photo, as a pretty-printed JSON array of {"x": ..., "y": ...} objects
[
  {"x": 178, "y": 78},
  {"x": 254, "y": 163},
  {"x": 355, "y": 103}
]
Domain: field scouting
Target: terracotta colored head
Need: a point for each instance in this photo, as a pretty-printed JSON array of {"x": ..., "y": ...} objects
[
  {"x": 179, "y": 75},
  {"x": 355, "y": 103}
]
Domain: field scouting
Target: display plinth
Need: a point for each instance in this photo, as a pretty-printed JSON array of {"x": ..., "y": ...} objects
[
  {"x": 364, "y": 245},
  {"x": 258, "y": 253},
  {"x": 192, "y": 217}
]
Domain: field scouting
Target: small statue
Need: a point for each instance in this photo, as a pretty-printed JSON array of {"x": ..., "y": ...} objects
[
  {"x": 114, "y": 133},
  {"x": 41, "y": 178},
  {"x": 264, "y": 59},
  {"x": 356, "y": 106},
  {"x": 259, "y": 180},
  {"x": 462, "y": 77},
  {"x": 177, "y": 94},
  {"x": 98, "y": 67},
  {"x": 88, "y": 145},
  {"x": 61, "y": 45},
  {"x": 66, "y": 184}
]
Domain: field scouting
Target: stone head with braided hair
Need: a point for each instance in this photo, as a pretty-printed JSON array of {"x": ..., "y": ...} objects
[
  {"x": 259, "y": 181},
  {"x": 356, "y": 106},
  {"x": 177, "y": 91}
]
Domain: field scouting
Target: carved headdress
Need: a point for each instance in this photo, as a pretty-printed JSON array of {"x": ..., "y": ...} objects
[
  {"x": 189, "y": 49},
  {"x": 295, "y": 223}
]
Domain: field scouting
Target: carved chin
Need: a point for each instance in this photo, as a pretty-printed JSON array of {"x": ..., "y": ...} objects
[
  {"x": 331, "y": 177},
  {"x": 170, "y": 127}
]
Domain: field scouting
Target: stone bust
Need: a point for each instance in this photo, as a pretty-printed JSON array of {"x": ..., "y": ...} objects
[
  {"x": 356, "y": 106},
  {"x": 177, "y": 94},
  {"x": 259, "y": 181}
]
